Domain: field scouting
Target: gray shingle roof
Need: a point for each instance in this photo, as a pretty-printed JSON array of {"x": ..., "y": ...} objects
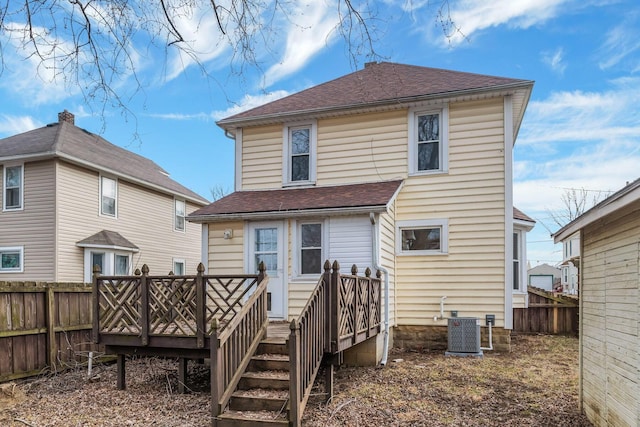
[
  {"x": 107, "y": 239},
  {"x": 377, "y": 84},
  {"x": 74, "y": 144}
]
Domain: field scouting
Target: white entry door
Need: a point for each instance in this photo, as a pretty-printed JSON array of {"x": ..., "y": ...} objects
[{"x": 266, "y": 244}]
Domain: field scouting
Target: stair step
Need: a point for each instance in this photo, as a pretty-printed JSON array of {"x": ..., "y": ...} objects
[
  {"x": 259, "y": 400},
  {"x": 271, "y": 380},
  {"x": 272, "y": 346},
  {"x": 252, "y": 419},
  {"x": 269, "y": 362}
]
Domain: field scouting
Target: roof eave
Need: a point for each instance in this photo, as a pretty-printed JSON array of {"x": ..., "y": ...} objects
[
  {"x": 230, "y": 123},
  {"x": 358, "y": 210},
  {"x": 107, "y": 246}
]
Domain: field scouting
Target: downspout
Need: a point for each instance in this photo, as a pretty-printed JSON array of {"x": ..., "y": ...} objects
[{"x": 375, "y": 249}]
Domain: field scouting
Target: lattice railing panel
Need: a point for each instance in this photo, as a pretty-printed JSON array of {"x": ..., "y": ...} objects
[
  {"x": 119, "y": 305},
  {"x": 225, "y": 297},
  {"x": 346, "y": 305},
  {"x": 172, "y": 305},
  {"x": 362, "y": 302}
]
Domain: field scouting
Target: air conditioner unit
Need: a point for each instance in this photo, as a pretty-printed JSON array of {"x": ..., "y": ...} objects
[{"x": 464, "y": 337}]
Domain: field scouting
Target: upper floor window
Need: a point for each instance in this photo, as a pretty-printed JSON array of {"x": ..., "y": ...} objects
[
  {"x": 11, "y": 259},
  {"x": 299, "y": 153},
  {"x": 13, "y": 187},
  {"x": 179, "y": 217},
  {"x": 428, "y": 141},
  {"x": 422, "y": 237},
  {"x": 108, "y": 196}
]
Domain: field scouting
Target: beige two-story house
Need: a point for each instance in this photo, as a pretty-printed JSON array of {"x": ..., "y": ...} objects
[
  {"x": 71, "y": 200},
  {"x": 402, "y": 168}
]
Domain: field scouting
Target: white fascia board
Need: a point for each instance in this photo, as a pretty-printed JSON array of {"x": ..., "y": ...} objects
[
  {"x": 112, "y": 247},
  {"x": 523, "y": 225}
]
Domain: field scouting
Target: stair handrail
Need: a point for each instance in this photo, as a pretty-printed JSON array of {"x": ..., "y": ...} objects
[
  {"x": 232, "y": 347},
  {"x": 309, "y": 340}
]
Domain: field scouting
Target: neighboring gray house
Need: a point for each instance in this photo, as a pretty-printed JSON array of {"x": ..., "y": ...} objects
[
  {"x": 71, "y": 199},
  {"x": 543, "y": 276},
  {"x": 610, "y": 307}
]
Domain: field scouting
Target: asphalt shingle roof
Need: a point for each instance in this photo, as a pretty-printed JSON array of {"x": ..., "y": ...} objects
[
  {"x": 73, "y": 143},
  {"x": 107, "y": 238},
  {"x": 377, "y": 83},
  {"x": 518, "y": 214}
]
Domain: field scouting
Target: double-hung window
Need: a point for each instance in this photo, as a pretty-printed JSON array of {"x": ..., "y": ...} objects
[
  {"x": 422, "y": 237},
  {"x": 108, "y": 196},
  {"x": 310, "y": 246},
  {"x": 11, "y": 259},
  {"x": 179, "y": 217},
  {"x": 13, "y": 187},
  {"x": 178, "y": 267},
  {"x": 299, "y": 153},
  {"x": 428, "y": 141}
]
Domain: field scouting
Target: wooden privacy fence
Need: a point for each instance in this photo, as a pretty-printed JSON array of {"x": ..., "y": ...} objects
[
  {"x": 548, "y": 313},
  {"x": 43, "y": 326},
  {"x": 343, "y": 310}
]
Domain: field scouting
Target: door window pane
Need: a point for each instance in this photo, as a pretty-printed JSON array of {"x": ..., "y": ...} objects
[{"x": 266, "y": 249}]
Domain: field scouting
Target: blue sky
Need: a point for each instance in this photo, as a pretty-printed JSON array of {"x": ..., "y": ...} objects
[{"x": 581, "y": 130}]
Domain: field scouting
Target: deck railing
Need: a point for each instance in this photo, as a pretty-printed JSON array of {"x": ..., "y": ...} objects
[
  {"x": 341, "y": 312},
  {"x": 233, "y": 346},
  {"x": 132, "y": 310}
]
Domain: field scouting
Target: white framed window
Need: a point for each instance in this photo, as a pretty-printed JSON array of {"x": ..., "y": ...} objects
[
  {"x": 111, "y": 263},
  {"x": 108, "y": 196},
  {"x": 12, "y": 259},
  {"x": 299, "y": 153},
  {"x": 179, "y": 267},
  {"x": 517, "y": 265},
  {"x": 311, "y": 242},
  {"x": 428, "y": 140},
  {"x": 179, "y": 215},
  {"x": 422, "y": 237},
  {"x": 13, "y": 187}
]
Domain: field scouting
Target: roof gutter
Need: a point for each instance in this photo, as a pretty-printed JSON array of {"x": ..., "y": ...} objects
[
  {"x": 400, "y": 102},
  {"x": 340, "y": 211}
]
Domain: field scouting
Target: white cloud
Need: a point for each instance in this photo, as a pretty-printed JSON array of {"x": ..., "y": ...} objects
[
  {"x": 320, "y": 19},
  {"x": 555, "y": 60},
  {"x": 12, "y": 125},
  {"x": 471, "y": 16},
  {"x": 621, "y": 43}
]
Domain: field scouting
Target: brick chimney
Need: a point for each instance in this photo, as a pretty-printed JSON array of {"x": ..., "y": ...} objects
[{"x": 66, "y": 116}]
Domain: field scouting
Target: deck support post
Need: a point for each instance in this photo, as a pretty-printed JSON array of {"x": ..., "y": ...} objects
[
  {"x": 182, "y": 374},
  {"x": 328, "y": 378},
  {"x": 121, "y": 375}
]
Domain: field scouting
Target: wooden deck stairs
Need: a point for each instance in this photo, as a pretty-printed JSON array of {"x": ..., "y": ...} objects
[{"x": 262, "y": 396}]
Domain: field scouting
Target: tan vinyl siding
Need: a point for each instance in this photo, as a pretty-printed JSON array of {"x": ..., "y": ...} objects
[
  {"x": 387, "y": 258},
  {"x": 471, "y": 197},
  {"x": 226, "y": 256},
  {"x": 362, "y": 148},
  {"x": 610, "y": 300},
  {"x": 33, "y": 226},
  {"x": 262, "y": 157},
  {"x": 144, "y": 217}
]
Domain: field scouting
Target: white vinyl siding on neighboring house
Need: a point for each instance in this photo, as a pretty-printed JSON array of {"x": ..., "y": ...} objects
[
  {"x": 13, "y": 187},
  {"x": 428, "y": 135},
  {"x": 299, "y": 153},
  {"x": 11, "y": 259}
]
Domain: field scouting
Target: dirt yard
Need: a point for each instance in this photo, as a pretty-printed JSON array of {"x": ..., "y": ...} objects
[{"x": 535, "y": 385}]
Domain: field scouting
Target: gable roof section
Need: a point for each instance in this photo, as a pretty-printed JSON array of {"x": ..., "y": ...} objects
[
  {"x": 354, "y": 198},
  {"x": 521, "y": 216},
  {"x": 66, "y": 141},
  {"x": 107, "y": 239},
  {"x": 381, "y": 84},
  {"x": 627, "y": 195}
]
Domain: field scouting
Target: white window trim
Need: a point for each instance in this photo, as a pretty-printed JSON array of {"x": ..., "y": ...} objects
[
  {"x": 19, "y": 249},
  {"x": 286, "y": 153},
  {"x": 101, "y": 213},
  {"x": 175, "y": 216},
  {"x": 109, "y": 261},
  {"x": 4, "y": 187},
  {"x": 296, "y": 237},
  {"x": 443, "y": 149},
  {"x": 522, "y": 260},
  {"x": 427, "y": 223},
  {"x": 179, "y": 261}
]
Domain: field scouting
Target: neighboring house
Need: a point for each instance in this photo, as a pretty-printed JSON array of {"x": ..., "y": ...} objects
[
  {"x": 610, "y": 307},
  {"x": 402, "y": 168},
  {"x": 543, "y": 276},
  {"x": 71, "y": 200},
  {"x": 570, "y": 264}
]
